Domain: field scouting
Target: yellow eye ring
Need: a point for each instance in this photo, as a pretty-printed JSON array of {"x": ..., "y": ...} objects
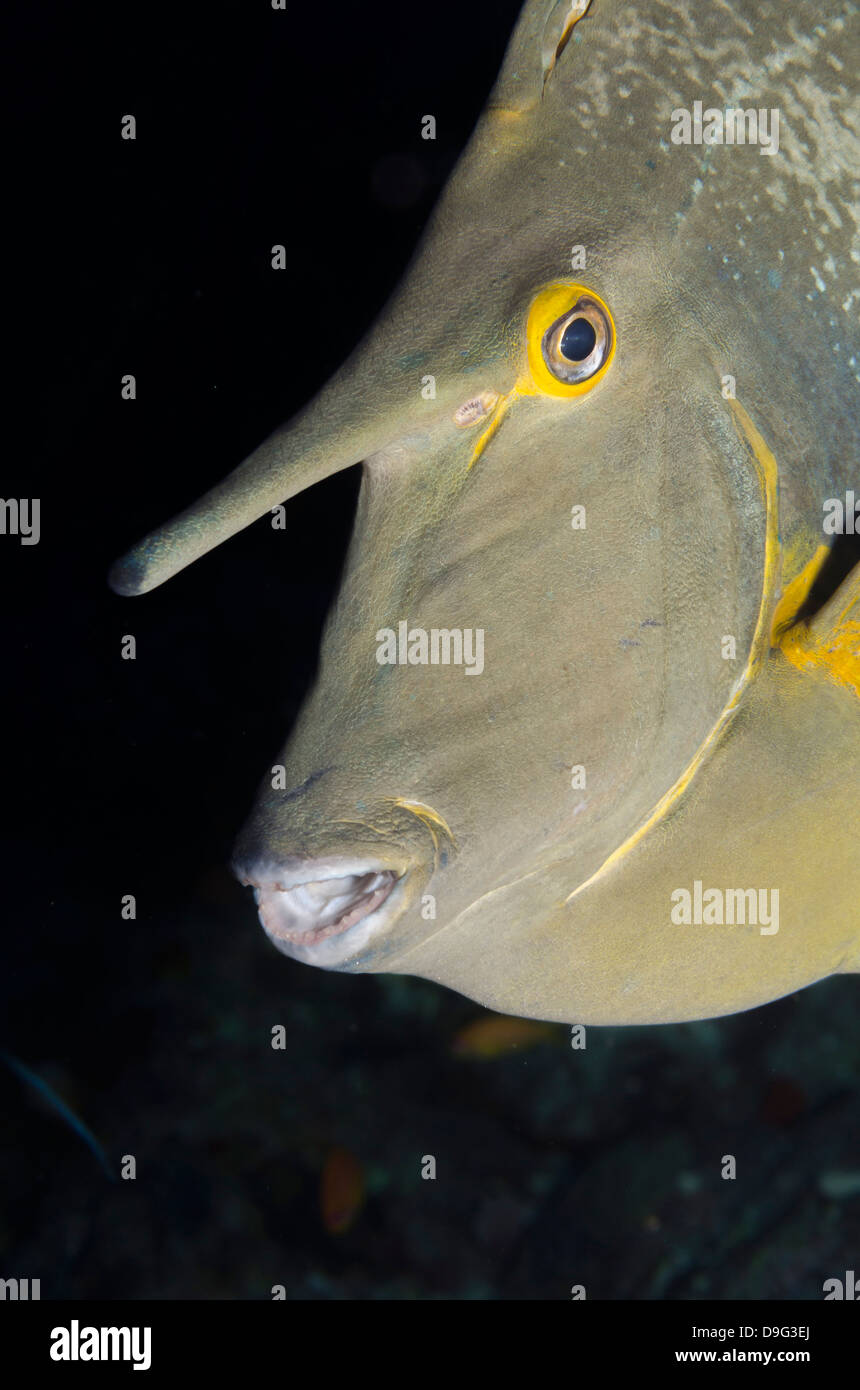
[
  {"x": 552, "y": 311},
  {"x": 560, "y": 311}
]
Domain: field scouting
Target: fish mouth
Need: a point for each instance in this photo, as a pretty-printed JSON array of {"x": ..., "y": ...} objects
[{"x": 324, "y": 912}]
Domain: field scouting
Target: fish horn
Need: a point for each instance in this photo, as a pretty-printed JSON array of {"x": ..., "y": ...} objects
[{"x": 315, "y": 444}]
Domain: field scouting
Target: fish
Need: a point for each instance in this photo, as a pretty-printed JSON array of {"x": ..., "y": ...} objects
[
  {"x": 342, "y": 1191},
  {"x": 495, "y": 1035},
  {"x": 55, "y": 1103},
  {"x": 584, "y": 740}
]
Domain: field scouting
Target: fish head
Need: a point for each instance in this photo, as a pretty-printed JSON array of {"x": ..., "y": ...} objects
[{"x": 555, "y": 584}]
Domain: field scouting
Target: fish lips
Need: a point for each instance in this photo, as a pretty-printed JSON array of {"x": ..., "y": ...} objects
[{"x": 326, "y": 911}]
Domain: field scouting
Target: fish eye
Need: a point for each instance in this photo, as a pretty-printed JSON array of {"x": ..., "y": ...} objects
[
  {"x": 578, "y": 344},
  {"x": 570, "y": 340}
]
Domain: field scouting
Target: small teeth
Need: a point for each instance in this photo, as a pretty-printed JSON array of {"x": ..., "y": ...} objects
[{"x": 317, "y": 908}]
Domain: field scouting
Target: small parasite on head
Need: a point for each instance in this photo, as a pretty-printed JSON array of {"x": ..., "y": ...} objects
[{"x": 478, "y": 408}]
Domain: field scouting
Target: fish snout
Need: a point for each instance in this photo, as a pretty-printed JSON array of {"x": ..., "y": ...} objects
[
  {"x": 326, "y": 911},
  {"x": 334, "y": 877}
]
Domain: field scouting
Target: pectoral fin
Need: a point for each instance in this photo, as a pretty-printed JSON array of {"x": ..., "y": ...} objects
[{"x": 829, "y": 644}]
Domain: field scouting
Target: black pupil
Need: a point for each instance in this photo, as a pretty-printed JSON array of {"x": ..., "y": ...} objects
[{"x": 578, "y": 340}]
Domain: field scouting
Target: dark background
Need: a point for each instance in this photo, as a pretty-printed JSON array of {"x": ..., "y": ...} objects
[{"x": 555, "y": 1167}]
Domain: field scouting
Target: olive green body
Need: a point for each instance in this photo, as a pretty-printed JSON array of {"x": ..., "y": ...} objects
[{"x": 637, "y": 728}]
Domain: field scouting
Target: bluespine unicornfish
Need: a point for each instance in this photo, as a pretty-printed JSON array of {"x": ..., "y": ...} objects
[{"x": 637, "y": 298}]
